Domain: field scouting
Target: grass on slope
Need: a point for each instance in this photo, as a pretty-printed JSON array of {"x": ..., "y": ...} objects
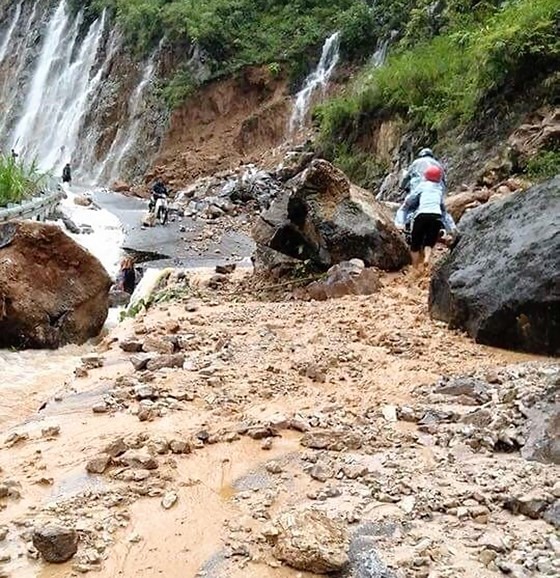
[{"x": 441, "y": 82}]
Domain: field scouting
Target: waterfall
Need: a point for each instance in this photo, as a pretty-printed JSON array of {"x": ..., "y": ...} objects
[
  {"x": 10, "y": 33},
  {"x": 69, "y": 93},
  {"x": 62, "y": 83},
  {"x": 126, "y": 137},
  {"x": 380, "y": 55},
  {"x": 317, "y": 79}
]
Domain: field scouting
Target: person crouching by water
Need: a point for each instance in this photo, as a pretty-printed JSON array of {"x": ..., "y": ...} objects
[
  {"x": 426, "y": 207},
  {"x": 127, "y": 276}
]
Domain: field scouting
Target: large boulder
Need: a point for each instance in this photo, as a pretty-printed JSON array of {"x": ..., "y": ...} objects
[
  {"x": 501, "y": 282},
  {"x": 52, "y": 291},
  {"x": 326, "y": 219}
]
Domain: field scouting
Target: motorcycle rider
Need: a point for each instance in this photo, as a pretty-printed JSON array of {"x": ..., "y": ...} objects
[
  {"x": 159, "y": 191},
  {"x": 415, "y": 172},
  {"x": 425, "y": 208}
]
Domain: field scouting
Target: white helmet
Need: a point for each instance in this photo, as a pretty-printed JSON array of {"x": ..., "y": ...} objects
[{"x": 425, "y": 153}]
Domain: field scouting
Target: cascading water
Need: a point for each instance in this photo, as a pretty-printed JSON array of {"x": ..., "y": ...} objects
[
  {"x": 127, "y": 136},
  {"x": 317, "y": 79},
  {"x": 8, "y": 37},
  {"x": 49, "y": 125},
  {"x": 63, "y": 82}
]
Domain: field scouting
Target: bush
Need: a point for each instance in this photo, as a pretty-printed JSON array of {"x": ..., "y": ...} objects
[
  {"x": 442, "y": 81},
  {"x": 17, "y": 180},
  {"x": 545, "y": 165}
]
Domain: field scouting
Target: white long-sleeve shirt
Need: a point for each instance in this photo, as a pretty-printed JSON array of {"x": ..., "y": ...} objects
[{"x": 427, "y": 198}]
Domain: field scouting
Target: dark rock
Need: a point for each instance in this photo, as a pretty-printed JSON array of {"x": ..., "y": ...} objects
[
  {"x": 140, "y": 361},
  {"x": 52, "y": 291},
  {"x": 98, "y": 465},
  {"x": 268, "y": 261},
  {"x": 469, "y": 386},
  {"x": 227, "y": 269},
  {"x": 530, "y": 505},
  {"x": 56, "y": 543},
  {"x": 501, "y": 282},
  {"x": 552, "y": 514},
  {"x": 365, "y": 562},
  {"x": 327, "y": 220},
  {"x": 131, "y": 346},
  {"x": 118, "y": 298}
]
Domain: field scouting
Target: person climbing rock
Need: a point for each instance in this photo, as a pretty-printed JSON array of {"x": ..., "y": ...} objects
[
  {"x": 425, "y": 209},
  {"x": 415, "y": 172},
  {"x": 127, "y": 276},
  {"x": 67, "y": 174}
]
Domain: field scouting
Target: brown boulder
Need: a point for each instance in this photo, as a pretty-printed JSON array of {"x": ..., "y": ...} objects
[
  {"x": 347, "y": 278},
  {"x": 120, "y": 187},
  {"x": 52, "y": 291}
]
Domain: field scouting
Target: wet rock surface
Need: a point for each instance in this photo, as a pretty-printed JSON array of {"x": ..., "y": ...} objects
[{"x": 501, "y": 281}]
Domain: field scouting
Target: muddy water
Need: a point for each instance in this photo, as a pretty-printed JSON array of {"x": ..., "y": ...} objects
[{"x": 31, "y": 378}]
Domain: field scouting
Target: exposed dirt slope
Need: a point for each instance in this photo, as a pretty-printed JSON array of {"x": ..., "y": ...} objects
[{"x": 227, "y": 122}]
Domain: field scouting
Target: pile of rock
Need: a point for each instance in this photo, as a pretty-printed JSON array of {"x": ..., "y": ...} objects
[{"x": 228, "y": 193}]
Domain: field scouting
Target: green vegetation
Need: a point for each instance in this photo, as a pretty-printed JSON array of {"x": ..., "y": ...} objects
[
  {"x": 237, "y": 33},
  {"x": 17, "y": 180},
  {"x": 446, "y": 68},
  {"x": 544, "y": 166}
]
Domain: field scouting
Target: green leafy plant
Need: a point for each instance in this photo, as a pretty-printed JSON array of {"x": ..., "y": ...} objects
[
  {"x": 543, "y": 166},
  {"x": 18, "y": 180}
]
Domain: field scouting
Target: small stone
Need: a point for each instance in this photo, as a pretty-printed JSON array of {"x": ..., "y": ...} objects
[
  {"x": 16, "y": 438},
  {"x": 100, "y": 407},
  {"x": 50, "y": 431},
  {"x": 266, "y": 444},
  {"x": 56, "y": 543},
  {"x": 492, "y": 541},
  {"x": 166, "y": 361},
  {"x": 180, "y": 447},
  {"x": 487, "y": 556},
  {"x": 116, "y": 448},
  {"x": 92, "y": 361},
  {"x": 144, "y": 391},
  {"x": 531, "y": 505},
  {"x": 312, "y": 541},
  {"x": 169, "y": 500},
  {"x": 274, "y": 468},
  {"x": 389, "y": 413},
  {"x": 158, "y": 345},
  {"x": 140, "y": 361},
  {"x": 139, "y": 459},
  {"x": 131, "y": 346},
  {"x": 3, "y": 533},
  {"x": 320, "y": 473},
  {"x": 98, "y": 465}
]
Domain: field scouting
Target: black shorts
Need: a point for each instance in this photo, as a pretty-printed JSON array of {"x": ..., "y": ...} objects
[{"x": 425, "y": 231}]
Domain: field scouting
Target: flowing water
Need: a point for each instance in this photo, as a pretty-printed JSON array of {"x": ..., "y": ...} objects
[
  {"x": 60, "y": 81},
  {"x": 317, "y": 80},
  {"x": 127, "y": 136},
  {"x": 8, "y": 35}
]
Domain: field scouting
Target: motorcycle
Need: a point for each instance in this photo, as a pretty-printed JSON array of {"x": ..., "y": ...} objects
[{"x": 161, "y": 210}]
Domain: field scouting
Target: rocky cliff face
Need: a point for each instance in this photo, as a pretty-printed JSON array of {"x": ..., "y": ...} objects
[{"x": 71, "y": 92}]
